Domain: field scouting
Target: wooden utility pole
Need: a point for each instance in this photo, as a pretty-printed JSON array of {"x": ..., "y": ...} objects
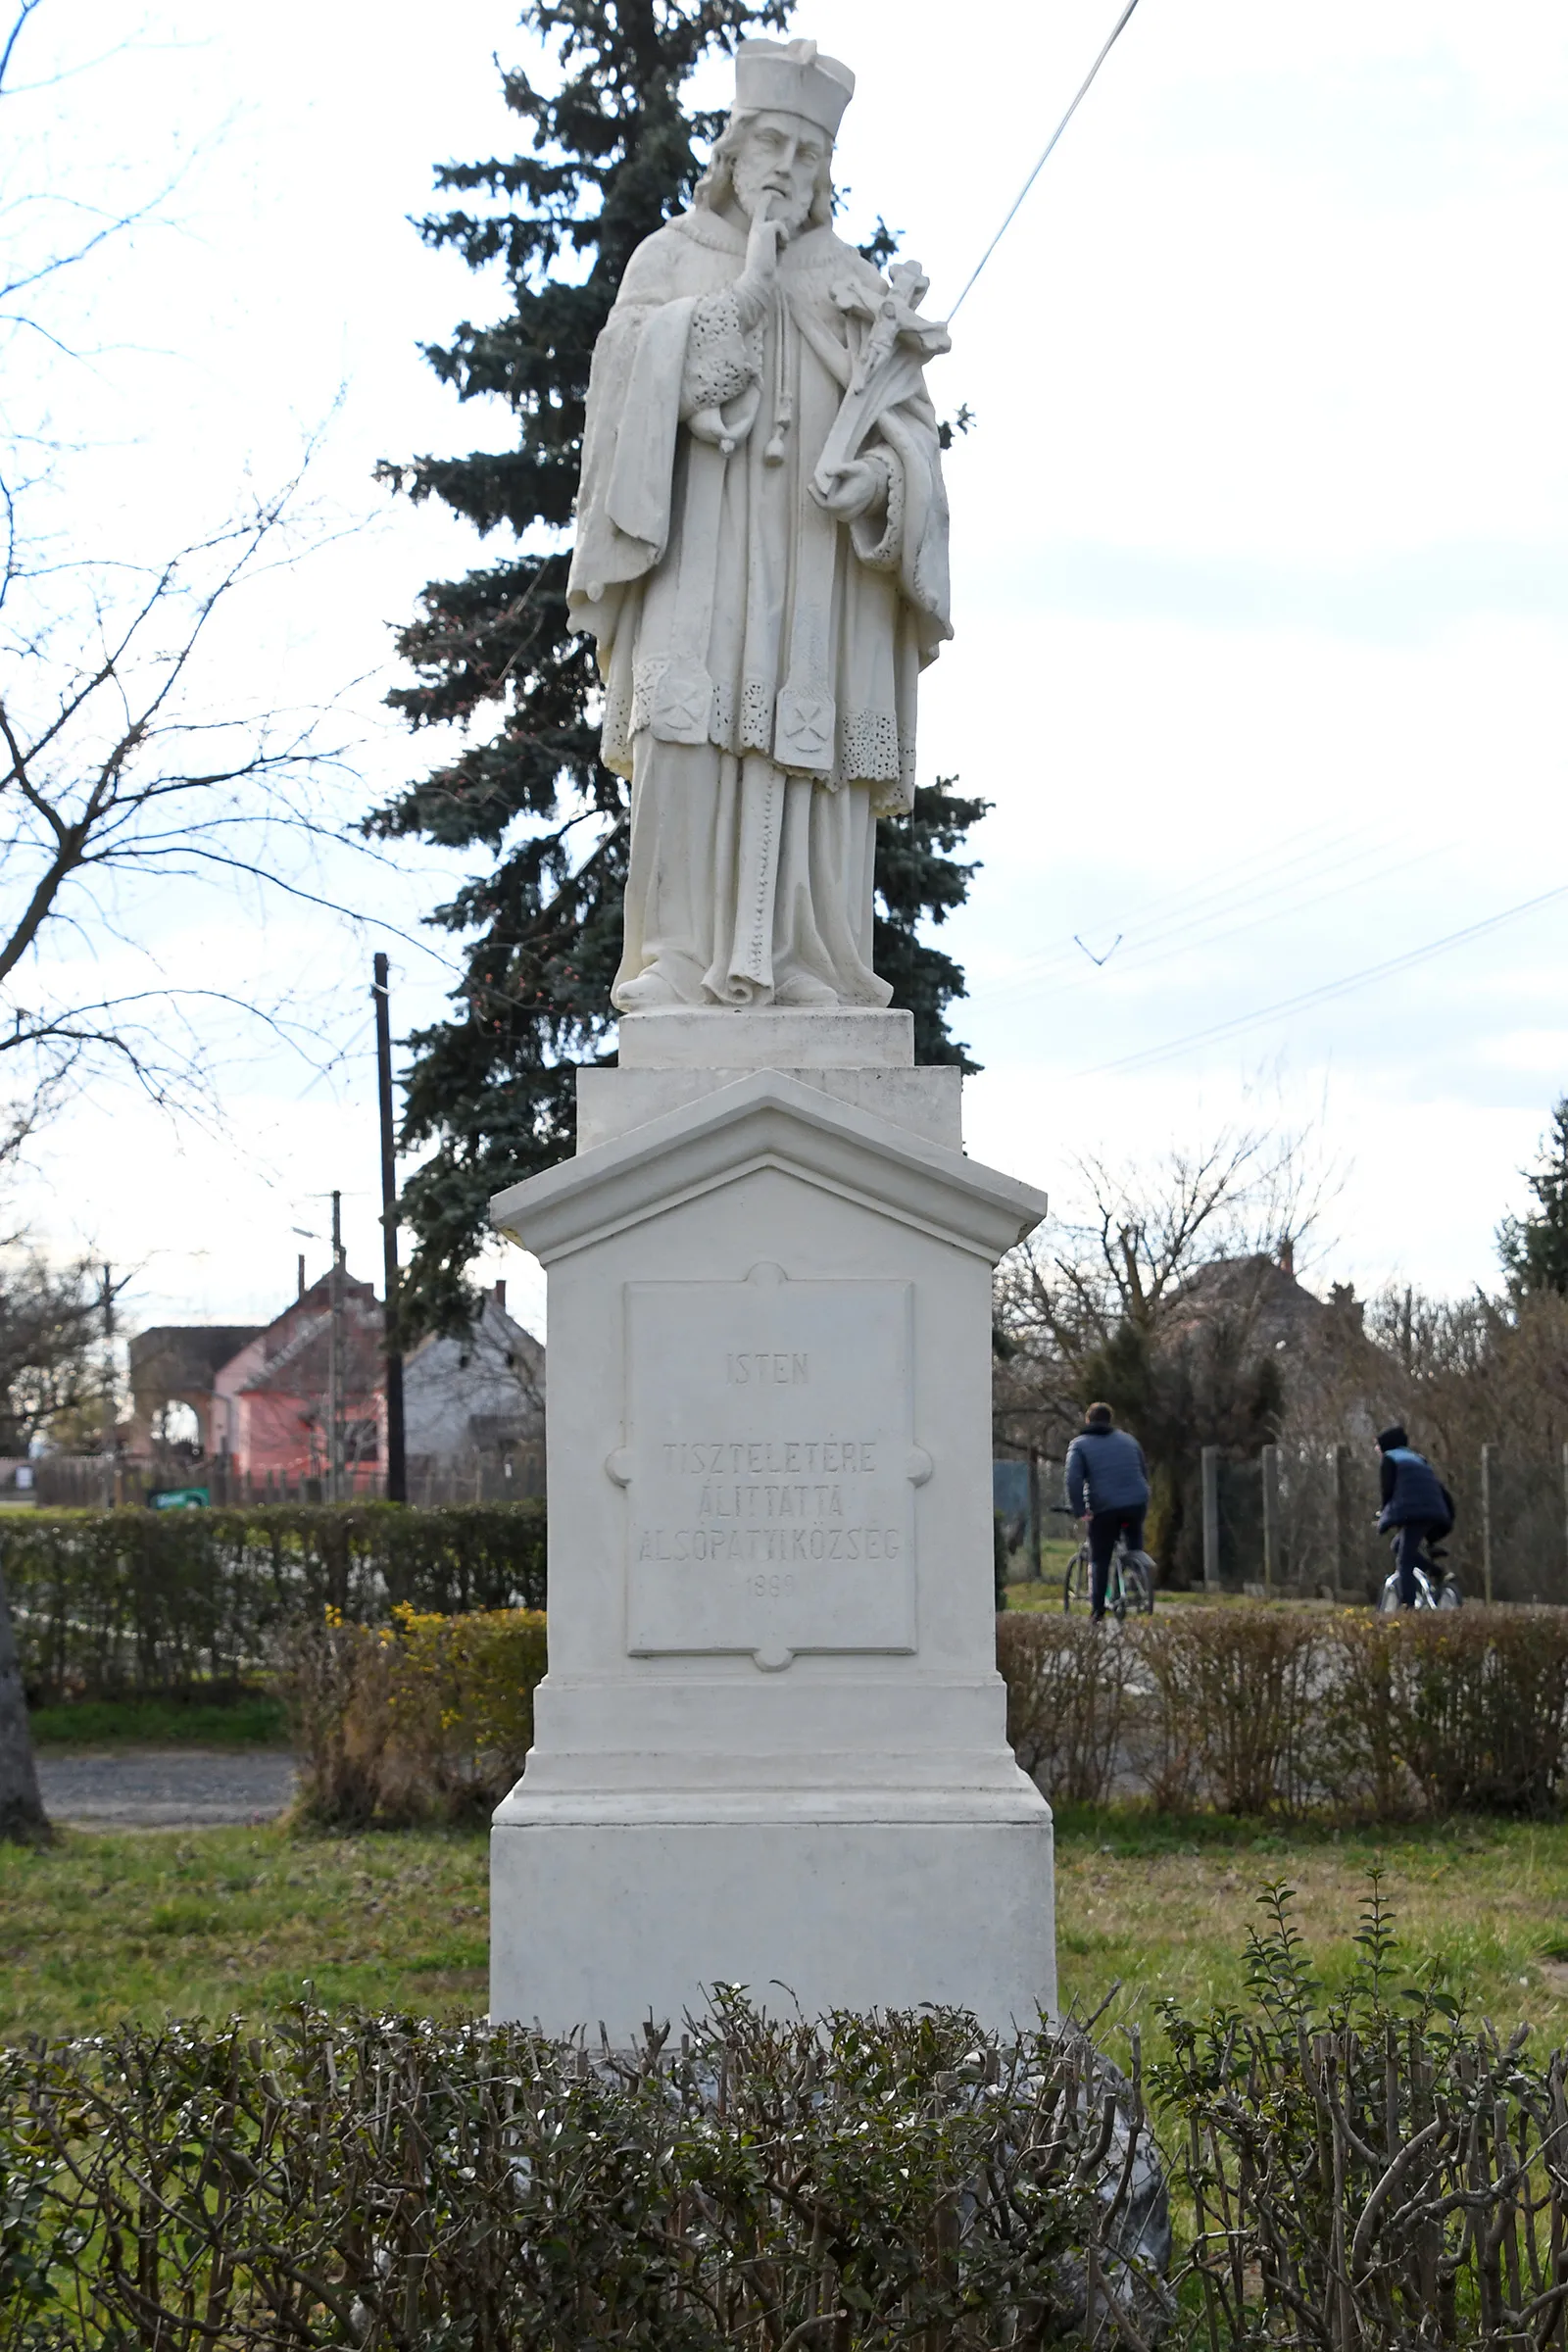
[
  {"x": 1209, "y": 1462},
  {"x": 1487, "y": 1452},
  {"x": 397, "y": 1461},
  {"x": 1036, "y": 1516},
  {"x": 1340, "y": 1463},
  {"x": 106, "y": 1410},
  {"x": 334, "y": 1362},
  {"x": 1270, "y": 1466}
]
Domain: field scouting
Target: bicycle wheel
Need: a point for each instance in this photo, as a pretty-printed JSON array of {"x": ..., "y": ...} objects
[
  {"x": 1442, "y": 1589},
  {"x": 1137, "y": 1583},
  {"x": 1075, "y": 1583}
]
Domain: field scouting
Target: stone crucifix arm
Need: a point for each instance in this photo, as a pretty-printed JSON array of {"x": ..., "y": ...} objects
[{"x": 888, "y": 368}]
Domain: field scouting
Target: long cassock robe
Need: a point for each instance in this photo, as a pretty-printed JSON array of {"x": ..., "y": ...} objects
[{"x": 759, "y": 657}]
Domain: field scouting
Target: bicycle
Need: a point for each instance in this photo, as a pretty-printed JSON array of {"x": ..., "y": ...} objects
[
  {"x": 1434, "y": 1588},
  {"x": 1129, "y": 1585}
]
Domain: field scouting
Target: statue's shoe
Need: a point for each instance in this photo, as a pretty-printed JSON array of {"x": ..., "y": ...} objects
[
  {"x": 646, "y": 994},
  {"x": 805, "y": 993}
]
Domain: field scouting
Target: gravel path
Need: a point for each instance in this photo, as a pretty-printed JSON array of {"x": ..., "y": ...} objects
[{"x": 164, "y": 1787}]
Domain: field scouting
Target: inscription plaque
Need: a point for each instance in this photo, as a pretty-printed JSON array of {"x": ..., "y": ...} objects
[{"x": 769, "y": 1466}]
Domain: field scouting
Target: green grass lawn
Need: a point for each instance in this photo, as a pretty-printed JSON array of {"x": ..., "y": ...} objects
[
  {"x": 202, "y": 1921},
  {"x": 1165, "y": 1905},
  {"x": 253, "y": 1720},
  {"x": 1045, "y": 1593},
  {"x": 205, "y": 1922},
  {"x": 1054, "y": 1556}
]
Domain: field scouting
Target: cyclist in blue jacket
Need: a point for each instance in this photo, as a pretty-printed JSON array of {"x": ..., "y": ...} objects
[
  {"x": 1416, "y": 1501},
  {"x": 1107, "y": 1478}
]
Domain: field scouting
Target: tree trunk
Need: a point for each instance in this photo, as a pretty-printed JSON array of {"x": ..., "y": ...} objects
[{"x": 22, "y": 1819}]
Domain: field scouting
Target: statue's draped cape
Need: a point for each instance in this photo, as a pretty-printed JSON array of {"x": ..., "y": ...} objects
[{"x": 755, "y": 651}]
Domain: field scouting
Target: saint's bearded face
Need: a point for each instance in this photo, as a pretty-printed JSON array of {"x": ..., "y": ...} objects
[{"x": 780, "y": 158}]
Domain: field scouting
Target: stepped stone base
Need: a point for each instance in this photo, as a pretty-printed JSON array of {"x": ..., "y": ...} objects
[{"x": 771, "y": 1748}]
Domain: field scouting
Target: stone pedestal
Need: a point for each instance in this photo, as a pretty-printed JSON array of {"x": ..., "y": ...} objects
[{"x": 771, "y": 1747}]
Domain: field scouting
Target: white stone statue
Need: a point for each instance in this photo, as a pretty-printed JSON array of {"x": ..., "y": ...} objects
[
  {"x": 763, "y": 556},
  {"x": 771, "y": 1748}
]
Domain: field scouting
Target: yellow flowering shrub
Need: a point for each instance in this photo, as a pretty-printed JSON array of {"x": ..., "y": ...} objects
[{"x": 428, "y": 1718}]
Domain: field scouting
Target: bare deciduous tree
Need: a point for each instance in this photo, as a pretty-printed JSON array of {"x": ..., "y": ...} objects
[
  {"x": 111, "y": 771},
  {"x": 1126, "y": 1258},
  {"x": 127, "y": 759},
  {"x": 51, "y": 1352},
  {"x": 115, "y": 773},
  {"x": 1154, "y": 1294}
]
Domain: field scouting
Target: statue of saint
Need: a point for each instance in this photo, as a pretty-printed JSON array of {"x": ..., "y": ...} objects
[{"x": 763, "y": 556}]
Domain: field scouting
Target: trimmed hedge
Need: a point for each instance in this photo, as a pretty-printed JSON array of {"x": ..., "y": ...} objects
[
  {"x": 1065, "y": 1704},
  {"x": 400, "y": 2186},
  {"x": 1372, "y": 2172},
  {"x": 1262, "y": 1710},
  {"x": 107, "y": 1604},
  {"x": 1251, "y": 1711},
  {"x": 1290, "y": 1710}
]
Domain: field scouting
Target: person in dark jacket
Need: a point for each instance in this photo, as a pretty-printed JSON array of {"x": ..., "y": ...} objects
[
  {"x": 1107, "y": 1481},
  {"x": 1414, "y": 1501}
]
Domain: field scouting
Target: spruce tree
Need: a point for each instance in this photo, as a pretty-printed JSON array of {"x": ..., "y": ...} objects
[
  {"x": 1534, "y": 1248},
  {"x": 611, "y": 155}
]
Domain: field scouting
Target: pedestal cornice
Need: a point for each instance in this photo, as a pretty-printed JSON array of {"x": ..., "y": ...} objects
[{"x": 767, "y": 1120}]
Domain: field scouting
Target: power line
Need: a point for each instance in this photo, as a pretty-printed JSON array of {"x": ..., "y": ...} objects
[
  {"x": 1044, "y": 152},
  {"x": 1325, "y": 990},
  {"x": 1157, "y": 908},
  {"x": 1340, "y": 884},
  {"x": 1210, "y": 907}
]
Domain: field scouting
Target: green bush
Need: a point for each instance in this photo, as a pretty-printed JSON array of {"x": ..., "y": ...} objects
[
  {"x": 1277, "y": 1711},
  {"x": 1232, "y": 1707},
  {"x": 1366, "y": 2172},
  {"x": 1291, "y": 1711},
  {"x": 429, "y": 1718},
  {"x": 107, "y": 1604},
  {"x": 1455, "y": 1710},
  {"x": 1065, "y": 1703},
  {"x": 1249, "y": 1711},
  {"x": 861, "y": 2185}
]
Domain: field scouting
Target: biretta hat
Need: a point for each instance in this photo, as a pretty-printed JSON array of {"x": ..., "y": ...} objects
[{"x": 792, "y": 77}]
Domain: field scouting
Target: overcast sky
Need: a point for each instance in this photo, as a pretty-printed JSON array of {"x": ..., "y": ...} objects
[{"x": 1260, "y": 595}]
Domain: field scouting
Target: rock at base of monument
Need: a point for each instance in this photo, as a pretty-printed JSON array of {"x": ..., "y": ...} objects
[
  {"x": 767, "y": 1037},
  {"x": 618, "y": 1922}
]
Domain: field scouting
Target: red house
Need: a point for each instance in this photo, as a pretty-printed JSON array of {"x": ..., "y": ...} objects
[{"x": 272, "y": 1401}]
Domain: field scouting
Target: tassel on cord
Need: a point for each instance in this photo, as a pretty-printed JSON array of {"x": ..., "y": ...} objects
[{"x": 783, "y": 397}]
